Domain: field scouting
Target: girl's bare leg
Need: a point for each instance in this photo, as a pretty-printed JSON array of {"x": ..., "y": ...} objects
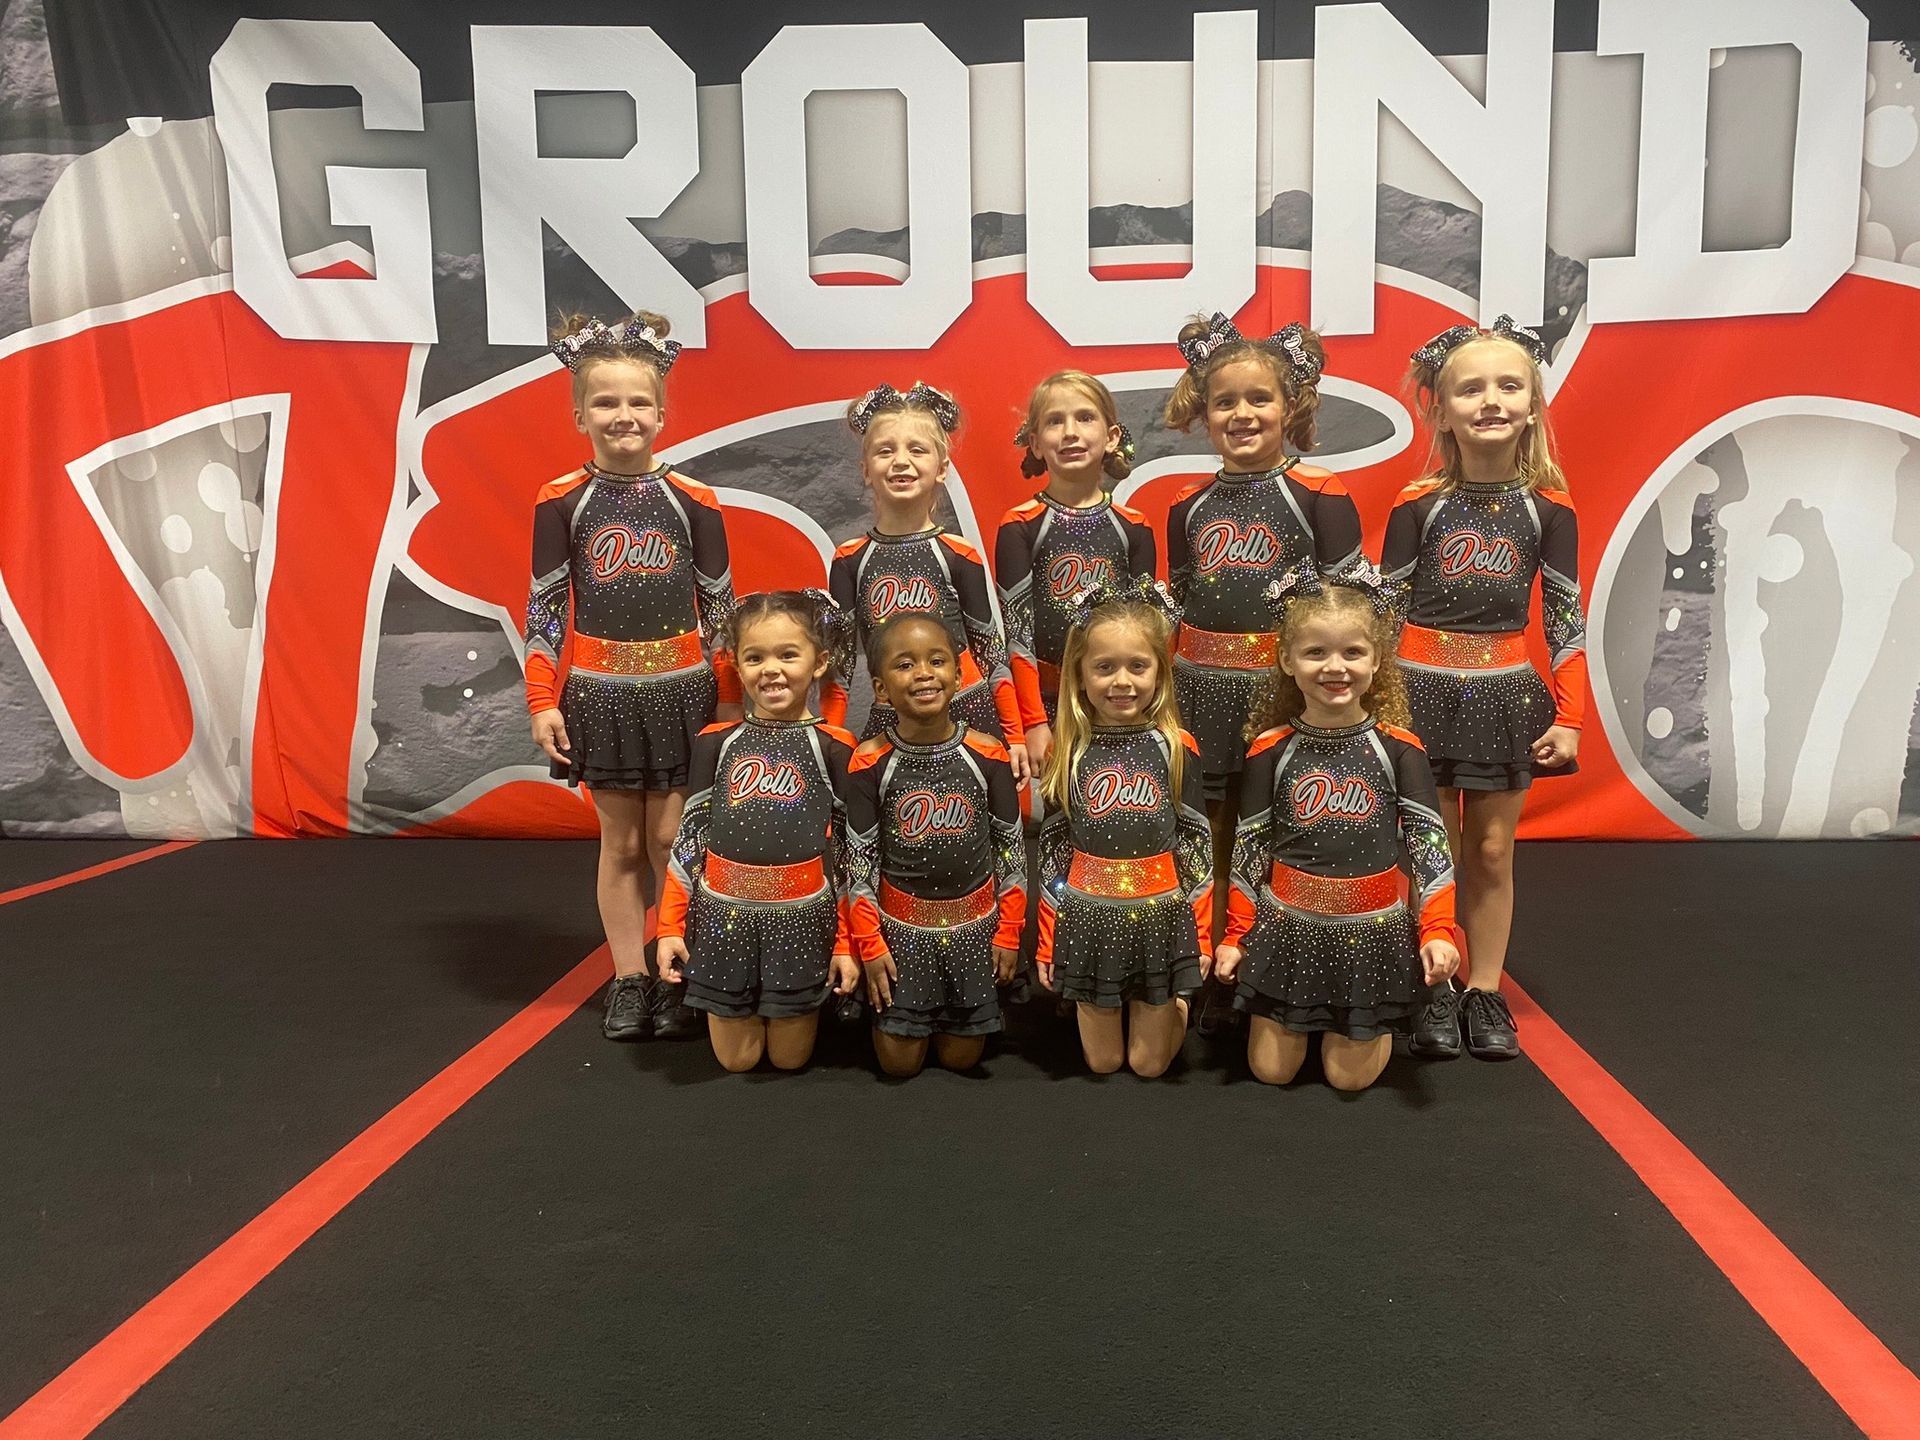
[
  {"x": 621, "y": 885},
  {"x": 1102, "y": 1038},
  {"x": 1274, "y": 1052},
  {"x": 737, "y": 1044},
  {"x": 1156, "y": 1033},
  {"x": 1354, "y": 1064},
  {"x": 790, "y": 1040},
  {"x": 901, "y": 1056}
]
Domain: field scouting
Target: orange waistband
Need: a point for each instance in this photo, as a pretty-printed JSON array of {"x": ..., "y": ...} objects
[
  {"x": 1254, "y": 650},
  {"x": 1331, "y": 895},
  {"x": 1122, "y": 879},
  {"x": 897, "y": 904},
  {"x": 637, "y": 657},
  {"x": 1457, "y": 650},
  {"x": 731, "y": 880}
]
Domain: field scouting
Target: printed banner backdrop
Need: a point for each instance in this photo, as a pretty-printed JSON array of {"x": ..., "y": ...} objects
[{"x": 273, "y": 290}]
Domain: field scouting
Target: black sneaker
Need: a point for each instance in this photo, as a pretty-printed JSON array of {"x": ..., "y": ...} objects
[
  {"x": 629, "y": 1008},
  {"x": 1212, "y": 1010},
  {"x": 848, "y": 1010},
  {"x": 1436, "y": 1030},
  {"x": 1489, "y": 1026},
  {"x": 673, "y": 1018}
]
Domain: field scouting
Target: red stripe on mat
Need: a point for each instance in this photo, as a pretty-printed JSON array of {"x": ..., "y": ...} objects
[
  {"x": 105, "y": 867},
  {"x": 100, "y": 1381},
  {"x": 1879, "y": 1394}
]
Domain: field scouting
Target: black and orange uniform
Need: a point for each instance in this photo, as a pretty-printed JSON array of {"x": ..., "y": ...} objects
[
  {"x": 631, "y": 584},
  {"x": 1462, "y": 562},
  {"x": 936, "y": 876},
  {"x": 1126, "y": 890},
  {"x": 1319, "y": 899},
  {"x": 751, "y": 883},
  {"x": 1044, "y": 555},
  {"x": 1228, "y": 538},
  {"x": 876, "y": 577}
]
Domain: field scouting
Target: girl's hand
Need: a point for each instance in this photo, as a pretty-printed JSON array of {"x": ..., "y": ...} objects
[
  {"x": 1017, "y": 761},
  {"x": 726, "y": 712},
  {"x": 550, "y": 734},
  {"x": 1043, "y": 972},
  {"x": 670, "y": 957},
  {"x": 1005, "y": 962},
  {"x": 846, "y": 974},
  {"x": 881, "y": 974},
  {"x": 1559, "y": 745},
  {"x": 1039, "y": 746},
  {"x": 1439, "y": 959},
  {"x": 1207, "y": 962},
  {"x": 1226, "y": 961}
]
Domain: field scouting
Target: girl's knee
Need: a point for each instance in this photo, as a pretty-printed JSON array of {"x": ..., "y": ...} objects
[
  {"x": 1353, "y": 1065},
  {"x": 1273, "y": 1069},
  {"x": 790, "y": 1042},
  {"x": 1101, "y": 1060},
  {"x": 738, "y": 1052},
  {"x": 1493, "y": 853},
  {"x": 899, "y": 1057},
  {"x": 959, "y": 1052}
]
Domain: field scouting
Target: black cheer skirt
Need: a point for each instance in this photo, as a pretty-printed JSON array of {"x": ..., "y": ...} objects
[
  {"x": 1479, "y": 725},
  {"x": 771, "y": 959},
  {"x": 1107, "y": 952},
  {"x": 944, "y": 979},
  {"x": 635, "y": 733},
  {"x": 1214, "y": 705},
  {"x": 1354, "y": 975}
]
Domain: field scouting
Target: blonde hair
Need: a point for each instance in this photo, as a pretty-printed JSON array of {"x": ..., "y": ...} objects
[
  {"x": 1279, "y": 699},
  {"x": 906, "y": 403},
  {"x": 1188, "y": 402},
  {"x": 1116, "y": 465},
  {"x": 1073, "y": 723},
  {"x": 1536, "y": 455},
  {"x": 573, "y": 324}
]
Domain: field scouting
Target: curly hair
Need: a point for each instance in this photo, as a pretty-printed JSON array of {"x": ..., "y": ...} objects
[
  {"x": 574, "y": 323},
  {"x": 1537, "y": 458},
  {"x": 1188, "y": 402},
  {"x": 1278, "y": 700}
]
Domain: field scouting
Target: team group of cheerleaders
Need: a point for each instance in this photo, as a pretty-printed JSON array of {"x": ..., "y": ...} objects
[{"x": 1255, "y": 785}]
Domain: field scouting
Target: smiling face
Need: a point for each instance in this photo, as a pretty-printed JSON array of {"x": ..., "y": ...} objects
[
  {"x": 1071, "y": 434},
  {"x": 778, "y": 661},
  {"x": 1247, "y": 415},
  {"x": 1331, "y": 657},
  {"x": 904, "y": 459},
  {"x": 918, "y": 671},
  {"x": 619, "y": 408},
  {"x": 1119, "y": 672},
  {"x": 1487, "y": 396}
]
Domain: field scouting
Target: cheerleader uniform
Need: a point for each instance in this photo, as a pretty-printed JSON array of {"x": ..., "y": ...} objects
[
  {"x": 875, "y": 577},
  {"x": 1126, "y": 891},
  {"x": 1227, "y": 539},
  {"x": 1044, "y": 555},
  {"x": 636, "y": 568},
  {"x": 1462, "y": 563},
  {"x": 936, "y": 876},
  {"x": 748, "y": 886},
  {"x": 1318, "y": 903}
]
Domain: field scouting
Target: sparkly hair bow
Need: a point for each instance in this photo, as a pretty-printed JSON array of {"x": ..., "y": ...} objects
[
  {"x": 922, "y": 396},
  {"x": 1304, "y": 580},
  {"x": 836, "y": 628},
  {"x": 1289, "y": 342},
  {"x": 1432, "y": 355},
  {"x": 1134, "y": 590},
  {"x": 594, "y": 337}
]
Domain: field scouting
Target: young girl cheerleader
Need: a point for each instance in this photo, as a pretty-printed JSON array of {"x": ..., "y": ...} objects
[
  {"x": 751, "y": 919},
  {"x": 907, "y": 565},
  {"x": 1335, "y": 789},
  {"x": 1126, "y": 891},
  {"x": 1067, "y": 537},
  {"x": 936, "y": 871},
  {"x": 1228, "y": 538},
  {"x": 1462, "y": 549},
  {"x": 631, "y": 557}
]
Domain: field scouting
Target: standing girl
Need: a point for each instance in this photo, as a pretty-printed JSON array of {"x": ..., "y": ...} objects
[
  {"x": 631, "y": 581},
  {"x": 1069, "y": 536},
  {"x": 935, "y": 868},
  {"x": 1462, "y": 549},
  {"x": 906, "y": 564},
  {"x": 1126, "y": 891},
  {"x": 750, "y": 875},
  {"x": 1336, "y": 789}
]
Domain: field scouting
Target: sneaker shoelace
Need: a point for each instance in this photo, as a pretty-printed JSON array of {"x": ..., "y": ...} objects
[
  {"x": 1442, "y": 1001},
  {"x": 1490, "y": 1009},
  {"x": 629, "y": 997}
]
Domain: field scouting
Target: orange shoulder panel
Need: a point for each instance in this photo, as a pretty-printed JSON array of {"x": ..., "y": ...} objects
[
  {"x": 718, "y": 727},
  {"x": 554, "y": 489},
  {"x": 1267, "y": 739},
  {"x": 1417, "y": 489},
  {"x": 1321, "y": 482},
  {"x": 1397, "y": 733},
  {"x": 1192, "y": 488},
  {"x": 986, "y": 745},
  {"x": 1127, "y": 512},
  {"x": 845, "y": 737},
  {"x": 693, "y": 489},
  {"x": 1558, "y": 497},
  {"x": 1025, "y": 510},
  {"x": 1188, "y": 741},
  {"x": 850, "y": 547},
  {"x": 960, "y": 547}
]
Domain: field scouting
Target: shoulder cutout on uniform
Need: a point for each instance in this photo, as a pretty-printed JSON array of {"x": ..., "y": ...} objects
[
  {"x": 959, "y": 546},
  {"x": 1558, "y": 497},
  {"x": 1417, "y": 489},
  {"x": 554, "y": 489},
  {"x": 868, "y": 755},
  {"x": 1404, "y": 735},
  {"x": 845, "y": 737},
  {"x": 1267, "y": 739},
  {"x": 1025, "y": 510},
  {"x": 693, "y": 489},
  {"x": 986, "y": 745},
  {"x": 1321, "y": 482},
  {"x": 850, "y": 547}
]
